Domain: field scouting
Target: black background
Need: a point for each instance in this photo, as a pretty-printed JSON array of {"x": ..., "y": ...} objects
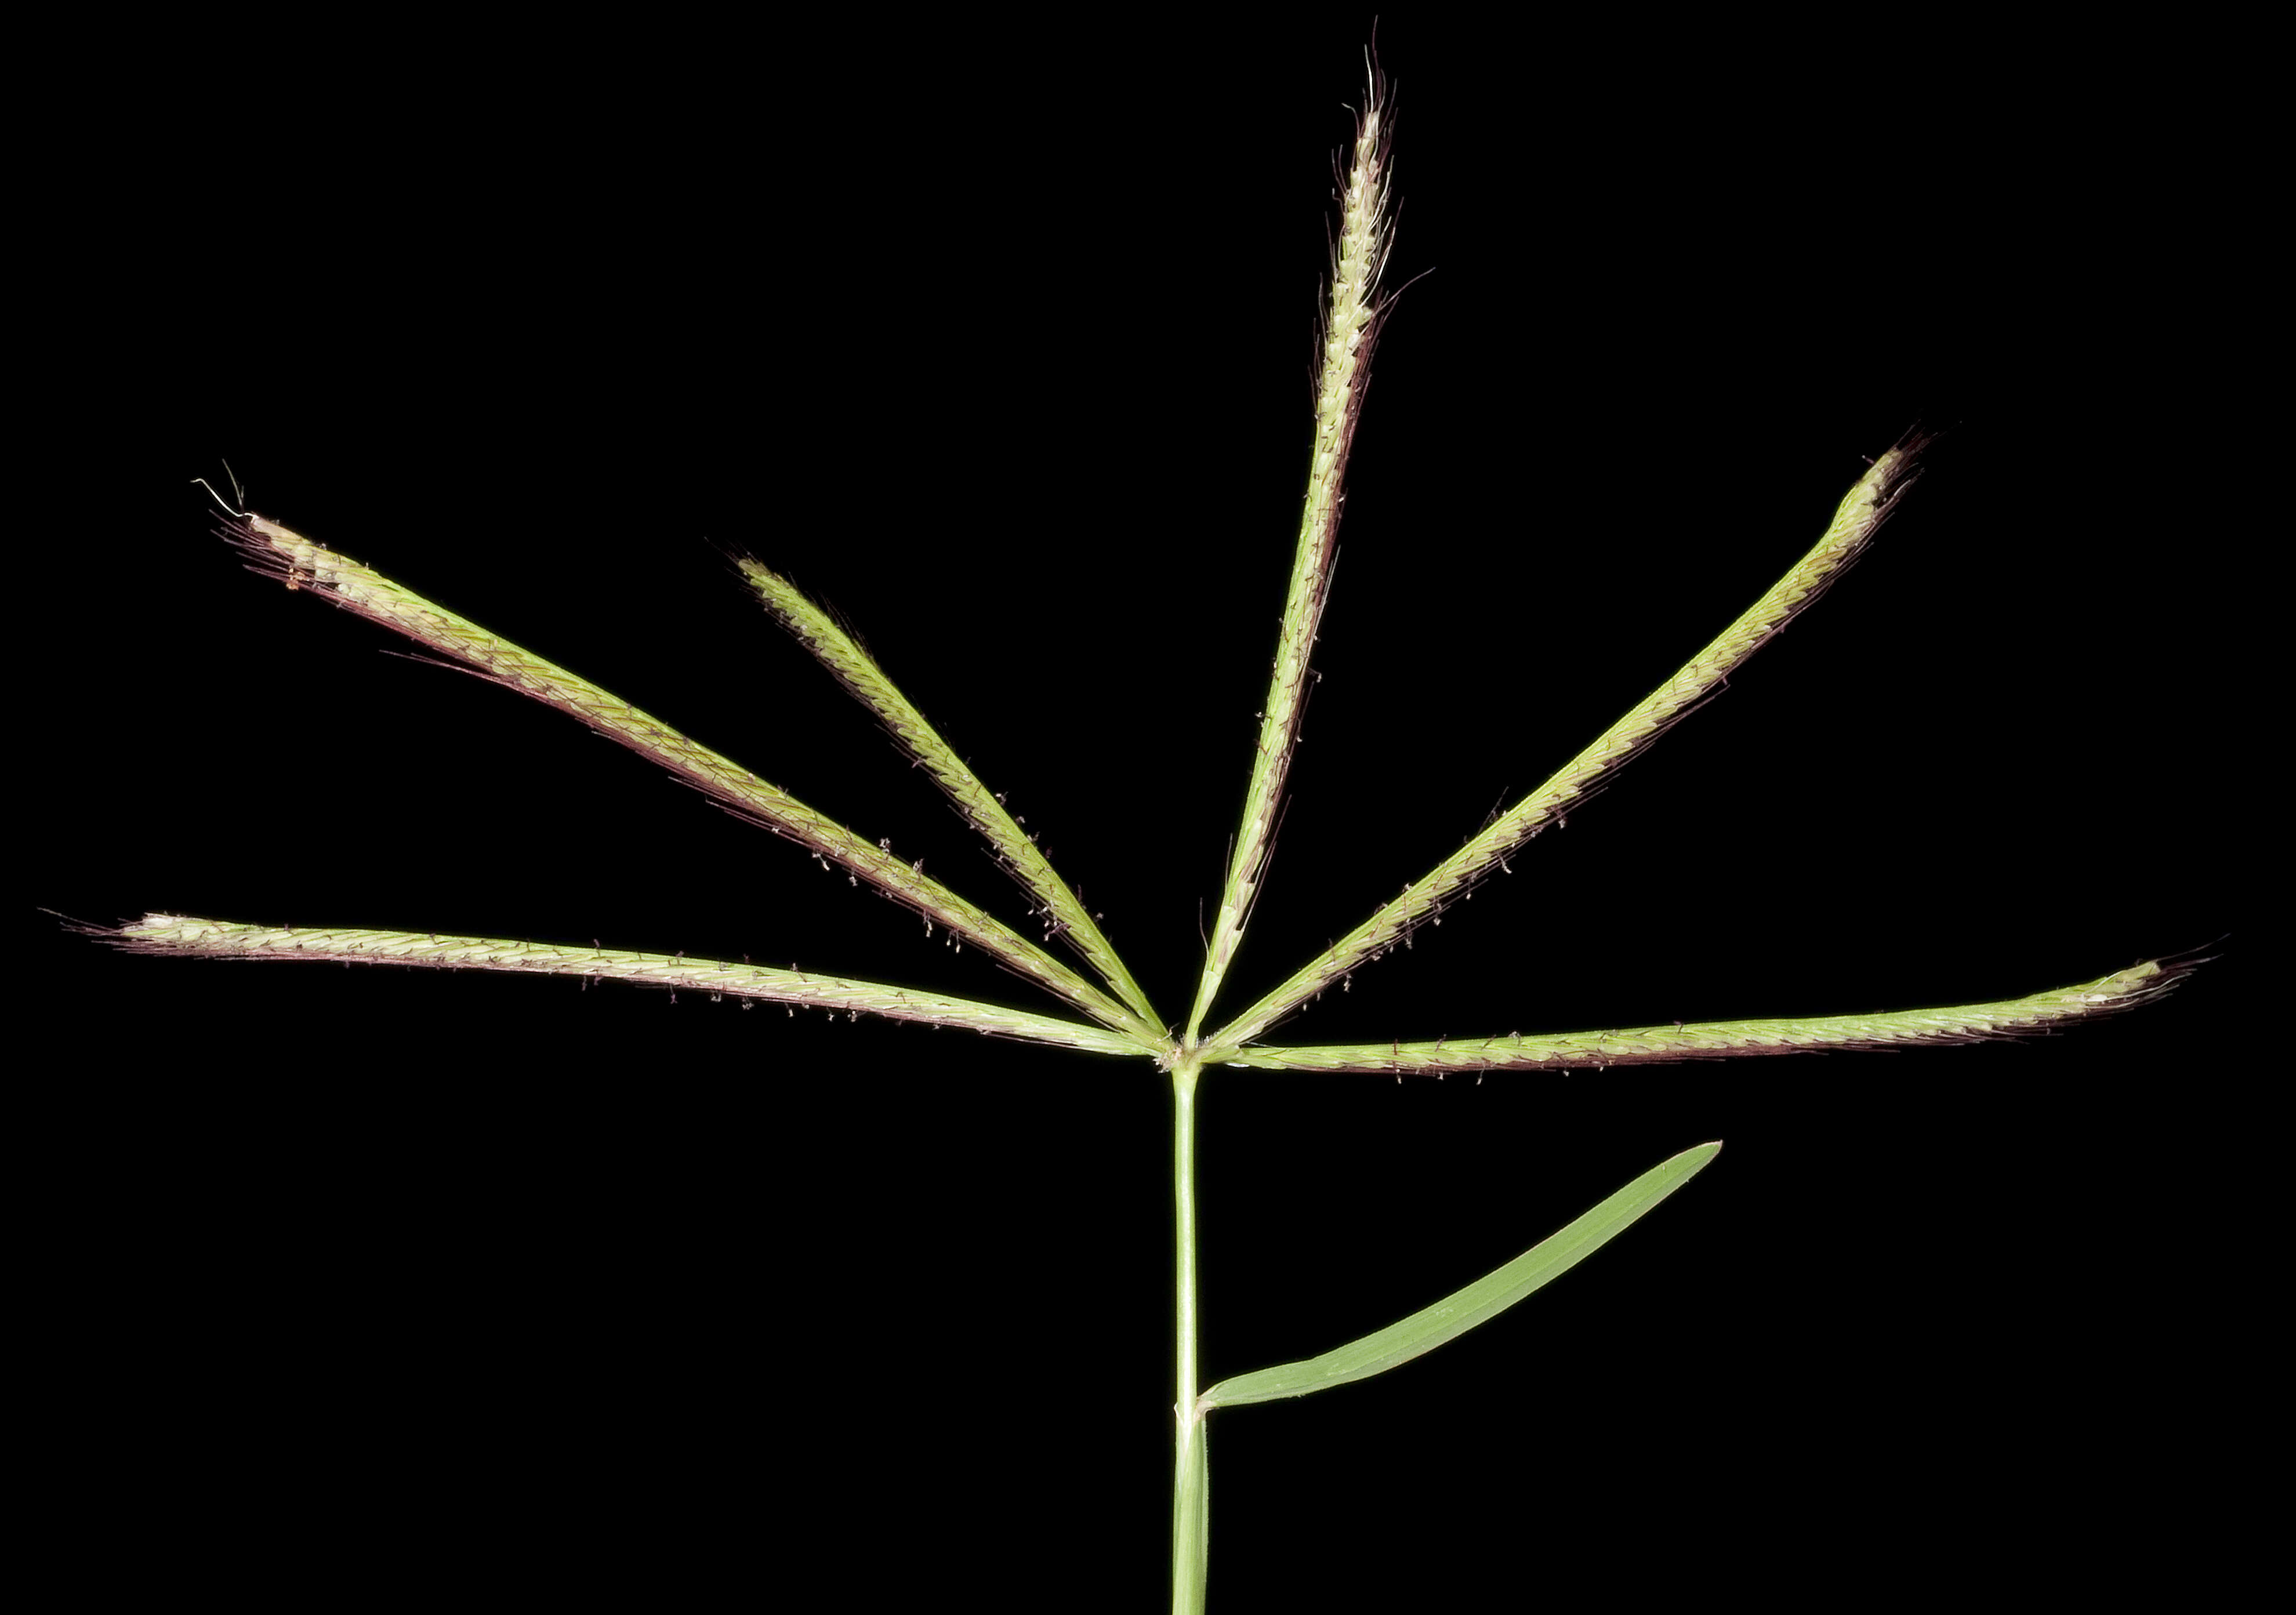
[{"x": 1000, "y": 343}]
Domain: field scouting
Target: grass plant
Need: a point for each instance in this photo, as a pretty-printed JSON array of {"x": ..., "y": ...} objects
[{"x": 1097, "y": 1006}]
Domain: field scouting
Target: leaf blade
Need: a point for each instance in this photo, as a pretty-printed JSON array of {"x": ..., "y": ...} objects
[{"x": 1476, "y": 1303}]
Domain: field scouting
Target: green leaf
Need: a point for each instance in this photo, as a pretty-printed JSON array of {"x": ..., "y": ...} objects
[{"x": 1484, "y": 1300}]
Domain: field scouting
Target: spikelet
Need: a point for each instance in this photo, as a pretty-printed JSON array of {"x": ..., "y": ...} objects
[{"x": 1351, "y": 326}]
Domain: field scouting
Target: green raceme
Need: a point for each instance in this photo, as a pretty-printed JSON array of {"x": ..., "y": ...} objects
[{"x": 1084, "y": 996}]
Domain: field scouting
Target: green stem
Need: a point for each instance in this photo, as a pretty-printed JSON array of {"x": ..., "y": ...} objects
[{"x": 1191, "y": 1476}]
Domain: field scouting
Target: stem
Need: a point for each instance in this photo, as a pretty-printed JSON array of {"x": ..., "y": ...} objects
[{"x": 1191, "y": 1476}]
